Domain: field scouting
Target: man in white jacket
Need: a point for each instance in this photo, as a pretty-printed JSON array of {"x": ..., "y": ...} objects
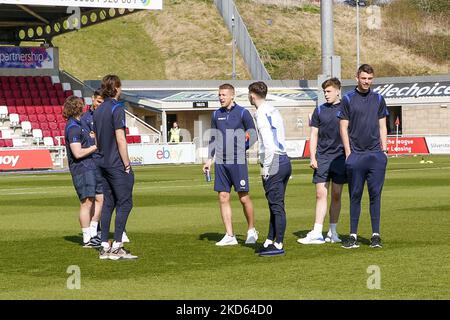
[{"x": 275, "y": 166}]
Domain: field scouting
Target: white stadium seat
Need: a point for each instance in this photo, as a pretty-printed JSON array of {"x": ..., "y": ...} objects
[
  {"x": 55, "y": 79},
  {"x": 37, "y": 135},
  {"x": 48, "y": 142},
  {"x": 26, "y": 128},
  {"x": 6, "y": 134},
  {"x": 14, "y": 120},
  {"x": 145, "y": 139},
  {"x": 3, "y": 113},
  {"x": 18, "y": 142},
  {"x": 134, "y": 131}
]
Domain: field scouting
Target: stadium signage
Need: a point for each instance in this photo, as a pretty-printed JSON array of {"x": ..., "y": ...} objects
[
  {"x": 26, "y": 57},
  {"x": 424, "y": 89},
  {"x": 125, "y": 4},
  {"x": 161, "y": 154},
  {"x": 25, "y": 160},
  {"x": 438, "y": 145},
  {"x": 407, "y": 145},
  {"x": 200, "y": 104}
]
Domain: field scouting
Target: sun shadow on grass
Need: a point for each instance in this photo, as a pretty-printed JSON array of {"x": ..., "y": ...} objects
[
  {"x": 78, "y": 239},
  {"x": 215, "y": 237},
  {"x": 211, "y": 236},
  {"x": 303, "y": 233}
]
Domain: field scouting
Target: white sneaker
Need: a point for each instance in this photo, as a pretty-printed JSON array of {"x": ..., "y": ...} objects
[
  {"x": 227, "y": 241},
  {"x": 312, "y": 238},
  {"x": 332, "y": 237},
  {"x": 252, "y": 236},
  {"x": 125, "y": 237},
  {"x": 267, "y": 243}
]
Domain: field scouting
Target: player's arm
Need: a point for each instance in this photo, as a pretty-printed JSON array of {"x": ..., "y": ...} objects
[
  {"x": 382, "y": 113},
  {"x": 211, "y": 145},
  {"x": 122, "y": 147},
  {"x": 344, "y": 117},
  {"x": 343, "y": 128},
  {"x": 383, "y": 134},
  {"x": 74, "y": 137},
  {"x": 314, "y": 137},
  {"x": 269, "y": 146},
  {"x": 250, "y": 128},
  {"x": 119, "y": 126},
  {"x": 79, "y": 152}
]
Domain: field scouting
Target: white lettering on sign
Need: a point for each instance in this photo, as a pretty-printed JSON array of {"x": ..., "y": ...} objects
[{"x": 9, "y": 160}]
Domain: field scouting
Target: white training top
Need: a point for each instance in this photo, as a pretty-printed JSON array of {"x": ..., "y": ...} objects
[{"x": 270, "y": 135}]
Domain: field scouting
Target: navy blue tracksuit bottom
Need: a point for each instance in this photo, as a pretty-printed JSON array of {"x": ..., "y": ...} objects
[
  {"x": 275, "y": 188},
  {"x": 117, "y": 193},
  {"x": 362, "y": 167}
]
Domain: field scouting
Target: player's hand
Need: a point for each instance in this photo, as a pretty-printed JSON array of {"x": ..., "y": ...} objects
[
  {"x": 347, "y": 155},
  {"x": 207, "y": 166},
  {"x": 313, "y": 164}
]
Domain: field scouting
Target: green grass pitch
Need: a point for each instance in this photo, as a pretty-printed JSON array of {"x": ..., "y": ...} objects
[{"x": 175, "y": 223}]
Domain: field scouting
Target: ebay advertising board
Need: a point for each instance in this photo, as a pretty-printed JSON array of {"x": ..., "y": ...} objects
[{"x": 162, "y": 153}]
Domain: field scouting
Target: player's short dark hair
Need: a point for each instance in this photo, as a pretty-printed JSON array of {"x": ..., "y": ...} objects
[
  {"x": 110, "y": 83},
  {"x": 333, "y": 82},
  {"x": 97, "y": 93},
  {"x": 365, "y": 68},
  {"x": 259, "y": 88},
  {"x": 227, "y": 86},
  {"x": 73, "y": 107}
]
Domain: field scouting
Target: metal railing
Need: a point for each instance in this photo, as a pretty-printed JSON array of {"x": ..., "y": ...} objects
[{"x": 245, "y": 44}]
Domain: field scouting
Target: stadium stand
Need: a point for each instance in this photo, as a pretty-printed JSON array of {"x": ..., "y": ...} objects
[
  {"x": 34, "y": 104},
  {"x": 36, "y": 101}
]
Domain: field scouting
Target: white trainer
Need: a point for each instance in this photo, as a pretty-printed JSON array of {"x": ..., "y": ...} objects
[
  {"x": 312, "y": 238},
  {"x": 332, "y": 237},
  {"x": 227, "y": 241},
  {"x": 267, "y": 243},
  {"x": 125, "y": 237},
  {"x": 252, "y": 236}
]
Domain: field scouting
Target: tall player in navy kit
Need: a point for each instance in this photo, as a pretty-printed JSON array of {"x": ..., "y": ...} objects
[
  {"x": 115, "y": 164},
  {"x": 328, "y": 162},
  {"x": 364, "y": 135},
  {"x": 229, "y": 125}
]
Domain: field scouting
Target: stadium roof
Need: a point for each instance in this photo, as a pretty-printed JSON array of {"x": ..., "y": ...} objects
[
  {"x": 19, "y": 22},
  {"x": 176, "y": 95}
]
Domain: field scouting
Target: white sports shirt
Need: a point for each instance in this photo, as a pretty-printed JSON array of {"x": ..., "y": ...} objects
[{"x": 271, "y": 135}]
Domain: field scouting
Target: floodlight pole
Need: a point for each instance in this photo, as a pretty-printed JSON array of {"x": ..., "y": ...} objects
[
  {"x": 357, "y": 35},
  {"x": 326, "y": 9},
  {"x": 233, "y": 73}
]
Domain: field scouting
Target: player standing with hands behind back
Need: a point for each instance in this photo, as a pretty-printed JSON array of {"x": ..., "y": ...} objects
[{"x": 328, "y": 162}]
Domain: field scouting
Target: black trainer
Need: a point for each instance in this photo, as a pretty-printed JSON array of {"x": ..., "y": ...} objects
[
  {"x": 375, "y": 242},
  {"x": 351, "y": 243},
  {"x": 271, "y": 251}
]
